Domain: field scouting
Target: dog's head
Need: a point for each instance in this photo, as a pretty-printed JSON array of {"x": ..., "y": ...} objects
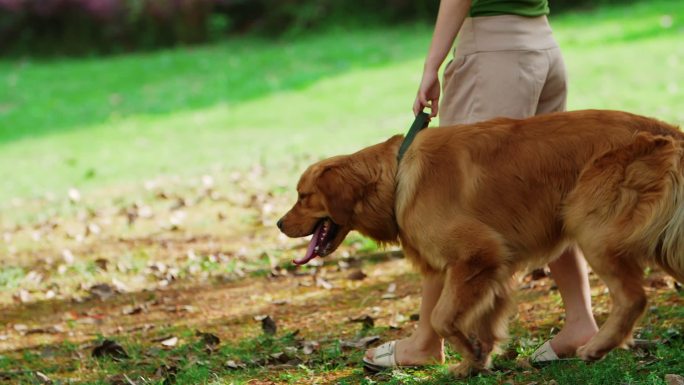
[
  {"x": 324, "y": 208},
  {"x": 344, "y": 193}
]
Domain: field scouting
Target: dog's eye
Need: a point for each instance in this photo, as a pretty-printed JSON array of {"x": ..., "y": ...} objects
[{"x": 302, "y": 196}]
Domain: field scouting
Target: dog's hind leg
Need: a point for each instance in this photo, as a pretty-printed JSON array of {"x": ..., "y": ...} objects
[
  {"x": 624, "y": 278},
  {"x": 472, "y": 310},
  {"x": 623, "y": 202}
]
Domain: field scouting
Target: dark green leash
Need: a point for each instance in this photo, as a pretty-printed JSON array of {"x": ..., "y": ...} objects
[{"x": 422, "y": 120}]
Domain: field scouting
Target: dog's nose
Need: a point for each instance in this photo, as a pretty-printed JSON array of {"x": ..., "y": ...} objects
[{"x": 280, "y": 224}]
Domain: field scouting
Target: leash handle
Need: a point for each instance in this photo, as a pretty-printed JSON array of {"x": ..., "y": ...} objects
[{"x": 422, "y": 120}]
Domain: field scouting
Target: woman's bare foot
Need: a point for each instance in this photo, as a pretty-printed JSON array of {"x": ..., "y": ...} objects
[
  {"x": 413, "y": 352},
  {"x": 572, "y": 336}
]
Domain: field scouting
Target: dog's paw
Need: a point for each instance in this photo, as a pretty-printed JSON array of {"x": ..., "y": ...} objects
[
  {"x": 590, "y": 353},
  {"x": 628, "y": 343},
  {"x": 461, "y": 370},
  {"x": 465, "y": 369}
]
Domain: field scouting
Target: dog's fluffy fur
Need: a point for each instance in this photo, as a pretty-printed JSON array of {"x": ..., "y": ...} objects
[{"x": 479, "y": 203}]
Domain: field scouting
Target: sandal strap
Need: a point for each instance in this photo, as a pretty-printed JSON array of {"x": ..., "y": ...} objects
[
  {"x": 544, "y": 353},
  {"x": 384, "y": 356}
]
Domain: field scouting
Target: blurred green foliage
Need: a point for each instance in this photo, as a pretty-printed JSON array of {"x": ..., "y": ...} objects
[{"x": 63, "y": 27}]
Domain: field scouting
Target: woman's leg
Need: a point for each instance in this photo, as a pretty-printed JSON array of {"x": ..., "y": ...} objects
[
  {"x": 424, "y": 346},
  {"x": 570, "y": 270},
  {"x": 571, "y": 275}
]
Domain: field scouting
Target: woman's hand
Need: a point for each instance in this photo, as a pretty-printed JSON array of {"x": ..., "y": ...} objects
[
  {"x": 449, "y": 20},
  {"x": 428, "y": 94}
]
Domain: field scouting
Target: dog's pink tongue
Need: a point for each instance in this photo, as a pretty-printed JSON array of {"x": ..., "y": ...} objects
[{"x": 310, "y": 253}]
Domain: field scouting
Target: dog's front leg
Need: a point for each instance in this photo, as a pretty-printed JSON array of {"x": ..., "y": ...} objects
[{"x": 472, "y": 310}]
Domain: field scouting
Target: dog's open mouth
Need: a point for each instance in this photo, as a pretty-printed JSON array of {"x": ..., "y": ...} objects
[{"x": 321, "y": 241}]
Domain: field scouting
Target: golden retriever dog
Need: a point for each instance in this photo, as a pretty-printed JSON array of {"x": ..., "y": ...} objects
[{"x": 483, "y": 202}]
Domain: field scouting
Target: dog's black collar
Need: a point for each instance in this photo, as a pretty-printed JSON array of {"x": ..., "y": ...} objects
[{"x": 422, "y": 120}]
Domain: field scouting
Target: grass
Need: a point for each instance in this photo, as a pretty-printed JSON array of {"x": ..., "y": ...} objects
[
  {"x": 316, "y": 318},
  {"x": 117, "y": 121},
  {"x": 143, "y": 133},
  {"x": 186, "y": 111}
]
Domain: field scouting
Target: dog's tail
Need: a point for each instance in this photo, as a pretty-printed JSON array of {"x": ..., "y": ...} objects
[
  {"x": 669, "y": 253},
  {"x": 631, "y": 200},
  {"x": 658, "y": 177}
]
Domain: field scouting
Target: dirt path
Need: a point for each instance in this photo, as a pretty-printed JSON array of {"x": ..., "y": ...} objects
[{"x": 158, "y": 269}]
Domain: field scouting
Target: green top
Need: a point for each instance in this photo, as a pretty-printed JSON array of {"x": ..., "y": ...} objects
[{"x": 528, "y": 8}]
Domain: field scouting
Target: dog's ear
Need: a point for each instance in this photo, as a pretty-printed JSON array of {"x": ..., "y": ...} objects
[{"x": 340, "y": 191}]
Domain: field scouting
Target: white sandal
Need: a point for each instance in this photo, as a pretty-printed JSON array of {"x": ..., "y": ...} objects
[
  {"x": 544, "y": 354},
  {"x": 383, "y": 358}
]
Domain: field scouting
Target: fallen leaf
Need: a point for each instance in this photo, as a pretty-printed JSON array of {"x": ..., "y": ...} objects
[
  {"x": 34, "y": 277},
  {"x": 55, "y": 329},
  {"x": 657, "y": 281},
  {"x": 231, "y": 364},
  {"x": 74, "y": 195},
  {"x": 268, "y": 326},
  {"x": 366, "y": 320},
  {"x": 396, "y": 320},
  {"x": 209, "y": 340},
  {"x": 131, "y": 215},
  {"x": 359, "y": 343},
  {"x": 207, "y": 181},
  {"x": 49, "y": 352},
  {"x": 131, "y": 310},
  {"x": 538, "y": 274},
  {"x": 89, "y": 321},
  {"x": 120, "y": 379},
  {"x": 102, "y": 263},
  {"x": 168, "y": 373},
  {"x": 389, "y": 294},
  {"x": 674, "y": 379},
  {"x": 22, "y": 296},
  {"x": 43, "y": 378},
  {"x": 357, "y": 275},
  {"x": 179, "y": 203},
  {"x": 68, "y": 256},
  {"x": 280, "y": 357},
  {"x": 308, "y": 347},
  {"x": 109, "y": 348},
  {"x": 320, "y": 282},
  {"x": 170, "y": 342},
  {"x": 645, "y": 344},
  {"x": 21, "y": 328},
  {"x": 102, "y": 291},
  {"x": 92, "y": 228}
]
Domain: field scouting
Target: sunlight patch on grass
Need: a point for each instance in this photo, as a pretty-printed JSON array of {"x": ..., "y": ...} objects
[{"x": 270, "y": 131}]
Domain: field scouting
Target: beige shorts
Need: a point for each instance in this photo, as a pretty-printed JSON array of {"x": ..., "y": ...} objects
[{"x": 503, "y": 66}]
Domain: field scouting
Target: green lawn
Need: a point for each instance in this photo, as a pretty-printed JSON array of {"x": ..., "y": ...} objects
[{"x": 99, "y": 122}]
